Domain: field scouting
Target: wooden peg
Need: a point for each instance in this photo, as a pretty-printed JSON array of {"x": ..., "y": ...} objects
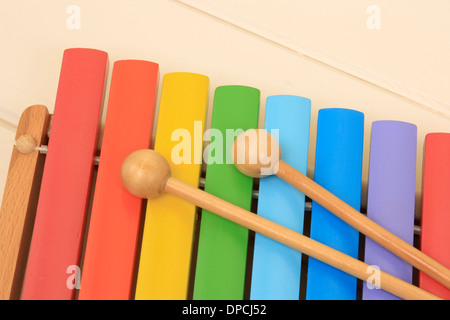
[{"x": 26, "y": 144}]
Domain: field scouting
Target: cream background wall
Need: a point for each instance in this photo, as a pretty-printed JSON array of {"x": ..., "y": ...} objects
[{"x": 388, "y": 59}]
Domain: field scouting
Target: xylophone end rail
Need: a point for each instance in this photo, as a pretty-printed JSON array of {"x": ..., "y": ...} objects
[{"x": 20, "y": 199}]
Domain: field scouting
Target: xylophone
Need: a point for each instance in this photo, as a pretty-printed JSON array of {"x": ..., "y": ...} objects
[{"x": 70, "y": 229}]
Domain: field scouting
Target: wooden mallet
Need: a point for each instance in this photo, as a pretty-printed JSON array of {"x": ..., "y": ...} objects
[
  {"x": 147, "y": 174},
  {"x": 257, "y": 153}
]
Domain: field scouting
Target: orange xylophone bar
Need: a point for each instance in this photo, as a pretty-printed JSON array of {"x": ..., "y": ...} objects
[{"x": 116, "y": 215}]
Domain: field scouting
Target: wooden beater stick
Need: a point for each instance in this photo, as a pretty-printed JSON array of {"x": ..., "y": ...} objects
[
  {"x": 146, "y": 174},
  {"x": 250, "y": 153}
]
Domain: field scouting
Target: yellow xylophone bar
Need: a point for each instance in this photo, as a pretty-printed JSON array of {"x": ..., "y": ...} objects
[{"x": 169, "y": 222}]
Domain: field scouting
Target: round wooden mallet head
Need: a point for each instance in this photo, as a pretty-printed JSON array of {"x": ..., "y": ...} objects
[
  {"x": 256, "y": 153},
  {"x": 144, "y": 173}
]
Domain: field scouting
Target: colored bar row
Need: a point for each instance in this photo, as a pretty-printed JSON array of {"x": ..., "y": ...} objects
[{"x": 58, "y": 267}]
